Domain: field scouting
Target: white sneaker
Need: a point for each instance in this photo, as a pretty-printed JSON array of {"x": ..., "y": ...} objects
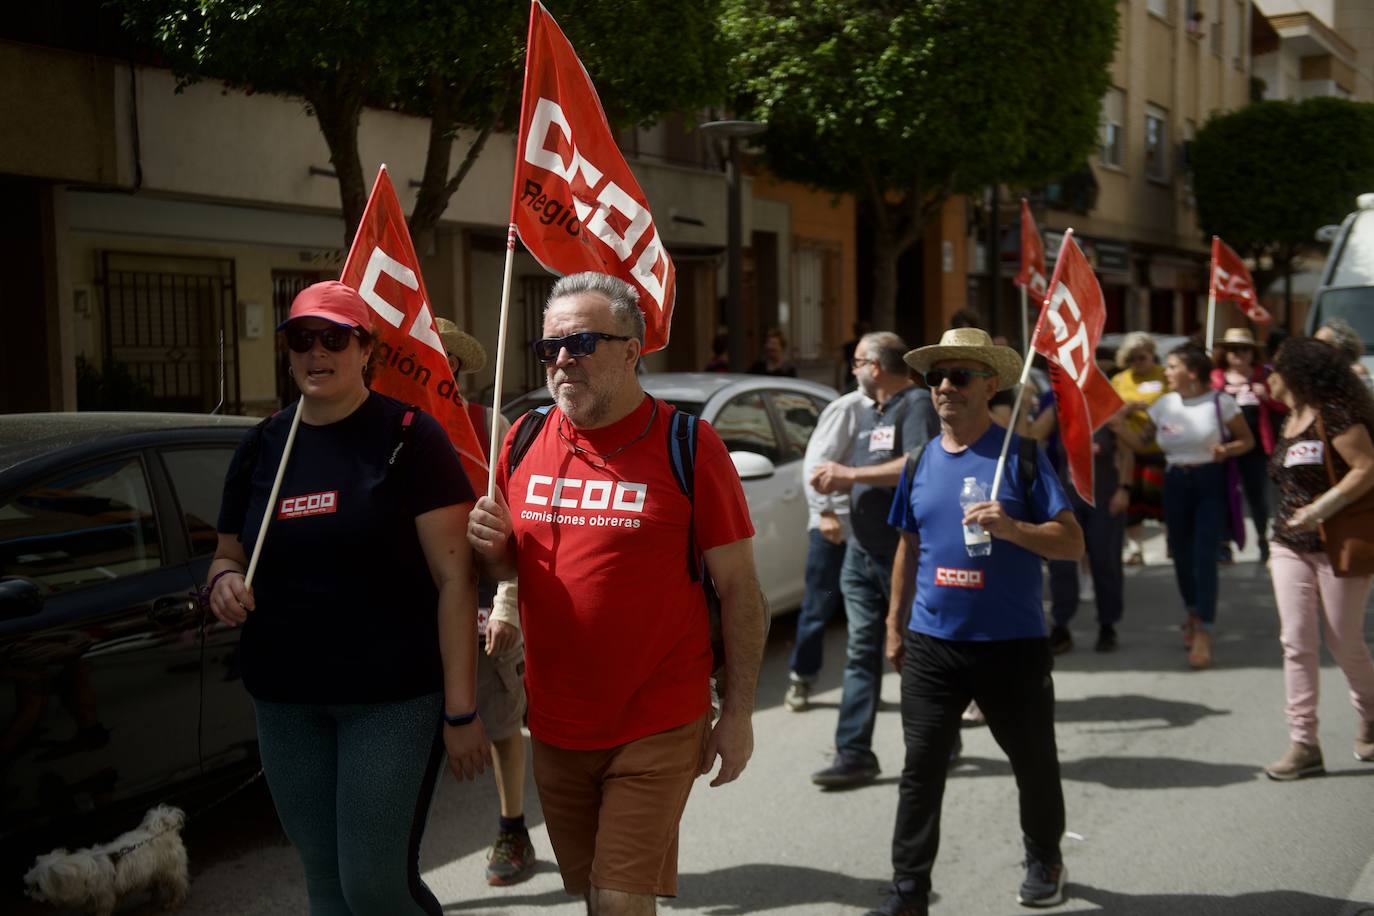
[{"x": 798, "y": 696}]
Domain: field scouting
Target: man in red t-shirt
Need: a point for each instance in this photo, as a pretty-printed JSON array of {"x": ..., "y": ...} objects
[{"x": 617, "y": 644}]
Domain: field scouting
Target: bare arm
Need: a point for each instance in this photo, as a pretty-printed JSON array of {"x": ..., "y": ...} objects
[
  {"x": 742, "y": 624},
  {"x": 830, "y": 477},
  {"x": 1040, "y": 428},
  {"x": 450, "y": 564},
  {"x": 1060, "y": 538},
  {"x": 230, "y": 601},
  {"x": 903, "y": 593},
  {"x": 1355, "y": 447}
]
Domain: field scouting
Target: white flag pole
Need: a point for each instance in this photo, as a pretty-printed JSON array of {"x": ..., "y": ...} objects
[
  {"x": 1025, "y": 325},
  {"x": 1211, "y": 314},
  {"x": 500, "y": 359},
  {"x": 272, "y": 498}
]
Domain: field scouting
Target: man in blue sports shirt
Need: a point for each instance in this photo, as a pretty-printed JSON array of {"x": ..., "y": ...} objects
[{"x": 963, "y": 627}]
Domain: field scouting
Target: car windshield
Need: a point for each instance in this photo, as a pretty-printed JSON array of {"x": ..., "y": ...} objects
[
  {"x": 1355, "y": 266},
  {"x": 1355, "y": 305}
]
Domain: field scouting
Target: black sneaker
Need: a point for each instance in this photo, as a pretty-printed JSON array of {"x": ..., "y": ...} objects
[
  {"x": 848, "y": 771},
  {"x": 1106, "y": 639},
  {"x": 900, "y": 904},
  {"x": 1044, "y": 884},
  {"x": 511, "y": 858},
  {"x": 1061, "y": 640}
]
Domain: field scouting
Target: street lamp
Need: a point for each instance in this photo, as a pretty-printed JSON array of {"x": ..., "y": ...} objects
[{"x": 733, "y": 131}]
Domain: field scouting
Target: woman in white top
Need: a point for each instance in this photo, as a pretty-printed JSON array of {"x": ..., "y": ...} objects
[{"x": 1187, "y": 425}]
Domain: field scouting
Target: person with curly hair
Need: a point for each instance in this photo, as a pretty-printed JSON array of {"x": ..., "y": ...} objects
[{"x": 1329, "y": 409}]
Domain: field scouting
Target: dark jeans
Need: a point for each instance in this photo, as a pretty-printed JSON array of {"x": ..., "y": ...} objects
[
  {"x": 352, "y": 786},
  {"x": 1254, "y": 481},
  {"x": 1012, "y": 683},
  {"x": 1195, "y": 511},
  {"x": 866, "y": 582},
  {"x": 1104, "y": 534},
  {"x": 819, "y": 604}
]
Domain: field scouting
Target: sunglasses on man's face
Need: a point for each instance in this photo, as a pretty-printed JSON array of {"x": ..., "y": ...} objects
[
  {"x": 334, "y": 338},
  {"x": 583, "y": 343},
  {"x": 959, "y": 378}
]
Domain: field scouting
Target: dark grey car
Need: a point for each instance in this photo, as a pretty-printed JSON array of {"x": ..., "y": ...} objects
[{"x": 116, "y": 687}]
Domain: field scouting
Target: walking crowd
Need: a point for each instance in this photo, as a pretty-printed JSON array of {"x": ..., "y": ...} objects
[{"x": 604, "y": 593}]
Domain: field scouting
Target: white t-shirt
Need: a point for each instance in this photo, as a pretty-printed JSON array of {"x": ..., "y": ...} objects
[{"x": 1186, "y": 428}]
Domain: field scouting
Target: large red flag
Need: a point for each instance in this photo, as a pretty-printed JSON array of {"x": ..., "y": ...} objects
[
  {"x": 1032, "y": 275},
  {"x": 1067, "y": 334},
  {"x": 408, "y": 358},
  {"x": 575, "y": 202},
  {"x": 1231, "y": 280}
]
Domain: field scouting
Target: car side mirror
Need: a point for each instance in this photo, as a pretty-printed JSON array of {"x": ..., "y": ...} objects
[
  {"x": 19, "y": 598},
  {"x": 1328, "y": 233},
  {"x": 752, "y": 466}
]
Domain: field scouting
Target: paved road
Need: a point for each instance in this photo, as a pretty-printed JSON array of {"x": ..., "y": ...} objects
[{"x": 1168, "y": 811}]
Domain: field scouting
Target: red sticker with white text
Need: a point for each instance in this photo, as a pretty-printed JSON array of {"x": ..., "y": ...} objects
[
  {"x": 309, "y": 504},
  {"x": 958, "y": 578}
]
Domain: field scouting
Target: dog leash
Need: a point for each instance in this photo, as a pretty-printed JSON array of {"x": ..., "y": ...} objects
[{"x": 117, "y": 854}]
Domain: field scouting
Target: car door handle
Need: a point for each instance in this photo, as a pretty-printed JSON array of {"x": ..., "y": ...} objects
[{"x": 169, "y": 612}]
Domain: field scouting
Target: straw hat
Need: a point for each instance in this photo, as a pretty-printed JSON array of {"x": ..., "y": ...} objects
[
  {"x": 974, "y": 344},
  {"x": 471, "y": 355},
  {"x": 1238, "y": 337}
]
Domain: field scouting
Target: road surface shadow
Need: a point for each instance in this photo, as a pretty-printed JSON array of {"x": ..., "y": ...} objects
[
  {"x": 1126, "y": 710},
  {"x": 1260, "y": 903},
  {"x": 1127, "y": 772}
]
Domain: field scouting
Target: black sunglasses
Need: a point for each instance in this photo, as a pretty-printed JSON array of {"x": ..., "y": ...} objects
[
  {"x": 959, "y": 378},
  {"x": 334, "y": 338},
  {"x": 583, "y": 343}
]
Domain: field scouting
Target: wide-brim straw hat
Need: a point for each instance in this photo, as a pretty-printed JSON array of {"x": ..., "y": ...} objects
[
  {"x": 972, "y": 344},
  {"x": 1238, "y": 337},
  {"x": 472, "y": 356}
]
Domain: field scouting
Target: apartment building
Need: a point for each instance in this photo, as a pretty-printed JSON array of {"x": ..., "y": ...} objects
[{"x": 154, "y": 238}]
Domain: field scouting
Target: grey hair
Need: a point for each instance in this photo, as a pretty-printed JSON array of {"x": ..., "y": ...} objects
[
  {"x": 1136, "y": 340},
  {"x": 890, "y": 349},
  {"x": 623, "y": 297},
  {"x": 1344, "y": 337}
]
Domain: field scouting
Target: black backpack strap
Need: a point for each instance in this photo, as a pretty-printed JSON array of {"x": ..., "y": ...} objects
[
  {"x": 1027, "y": 467},
  {"x": 913, "y": 461},
  {"x": 682, "y": 458},
  {"x": 526, "y": 431},
  {"x": 403, "y": 433}
]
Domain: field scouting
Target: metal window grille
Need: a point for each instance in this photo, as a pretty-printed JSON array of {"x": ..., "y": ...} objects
[
  {"x": 286, "y": 285},
  {"x": 164, "y": 318},
  {"x": 534, "y": 295}
]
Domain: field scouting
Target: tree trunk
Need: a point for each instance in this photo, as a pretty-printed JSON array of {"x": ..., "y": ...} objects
[
  {"x": 437, "y": 187},
  {"x": 885, "y": 256},
  {"x": 339, "y": 123}
]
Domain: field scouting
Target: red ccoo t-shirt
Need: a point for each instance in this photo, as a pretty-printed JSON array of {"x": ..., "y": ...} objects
[{"x": 616, "y": 639}]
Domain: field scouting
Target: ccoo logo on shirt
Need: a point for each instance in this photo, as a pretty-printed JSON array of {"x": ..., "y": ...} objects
[{"x": 309, "y": 504}]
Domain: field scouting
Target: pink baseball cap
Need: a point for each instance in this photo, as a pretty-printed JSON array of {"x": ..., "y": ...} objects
[{"x": 332, "y": 301}]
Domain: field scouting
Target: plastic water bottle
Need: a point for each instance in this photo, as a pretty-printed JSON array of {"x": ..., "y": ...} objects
[{"x": 977, "y": 542}]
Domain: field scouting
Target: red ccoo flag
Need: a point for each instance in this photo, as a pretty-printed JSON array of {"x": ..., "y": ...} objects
[
  {"x": 408, "y": 358},
  {"x": 1231, "y": 280},
  {"x": 1032, "y": 275},
  {"x": 575, "y": 202},
  {"x": 1067, "y": 334}
]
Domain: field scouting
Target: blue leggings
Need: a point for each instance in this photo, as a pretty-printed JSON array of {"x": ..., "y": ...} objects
[{"x": 352, "y": 785}]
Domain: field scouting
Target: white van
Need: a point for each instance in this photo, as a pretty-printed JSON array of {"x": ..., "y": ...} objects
[{"x": 1347, "y": 282}]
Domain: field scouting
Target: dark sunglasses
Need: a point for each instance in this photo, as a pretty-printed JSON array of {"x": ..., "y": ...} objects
[
  {"x": 583, "y": 343},
  {"x": 335, "y": 339},
  {"x": 959, "y": 378}
]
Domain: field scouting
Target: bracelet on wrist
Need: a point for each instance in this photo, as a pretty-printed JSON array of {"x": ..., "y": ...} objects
[
  {"x": 202, "y": 594},
  {"x": 214, "y": 580},
  {"x": 460, "y": 720}
]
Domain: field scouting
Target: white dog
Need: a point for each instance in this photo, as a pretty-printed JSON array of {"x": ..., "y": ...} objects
[{"x": 149, "y": 857}]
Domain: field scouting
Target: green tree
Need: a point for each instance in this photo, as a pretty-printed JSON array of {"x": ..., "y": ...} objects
[
  {"x": 456, "y": 62},
  {"x": 1269, "y": 175},
  {"x": 904, "y": 102}
]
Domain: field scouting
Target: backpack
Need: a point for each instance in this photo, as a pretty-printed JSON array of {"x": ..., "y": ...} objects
[
  {"x": 682, "y": 455},
  {"x": 1027, "y": 464}
]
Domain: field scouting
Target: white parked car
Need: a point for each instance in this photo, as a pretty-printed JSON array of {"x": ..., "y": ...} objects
[{"x": 765, "y": 422}]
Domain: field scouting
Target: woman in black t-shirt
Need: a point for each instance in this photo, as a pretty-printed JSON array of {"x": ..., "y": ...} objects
[
  {"x": 352, "y": 670},
  {"x": 1330, "y": 418}
]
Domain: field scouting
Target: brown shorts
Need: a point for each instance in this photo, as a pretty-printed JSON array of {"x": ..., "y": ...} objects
[
  {"x": 501, "y": 691},
  {"x": 613, "y": 814}
]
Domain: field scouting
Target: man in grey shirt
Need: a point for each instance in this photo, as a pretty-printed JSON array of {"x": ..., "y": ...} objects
[{"x": 827, "y": 526}]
